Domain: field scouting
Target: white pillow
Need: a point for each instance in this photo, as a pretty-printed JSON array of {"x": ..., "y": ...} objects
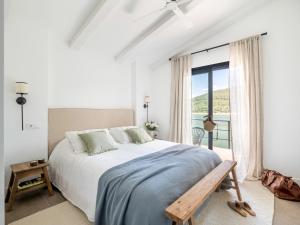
[
  {"x": 119, "y": 134},
  {"x": 76, "y": 142}
]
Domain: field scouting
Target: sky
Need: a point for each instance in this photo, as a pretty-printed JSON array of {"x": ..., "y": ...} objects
[{"x": 200, "y": 82}]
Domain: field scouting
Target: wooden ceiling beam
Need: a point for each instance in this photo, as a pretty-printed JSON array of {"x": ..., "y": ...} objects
[
  {"x": 97, "y": 16},
  {"x": 127, "y": 51},
  {"x": 165, "y": 20}
]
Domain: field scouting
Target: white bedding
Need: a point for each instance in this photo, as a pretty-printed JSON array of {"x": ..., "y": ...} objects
[{"x": 76, "y": 175}]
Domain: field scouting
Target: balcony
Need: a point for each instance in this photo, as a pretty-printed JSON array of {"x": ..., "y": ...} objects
[{"x": 222, "y": 141}]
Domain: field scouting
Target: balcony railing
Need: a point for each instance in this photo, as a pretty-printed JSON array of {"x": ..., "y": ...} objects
[{"x": 221, "y": 133}]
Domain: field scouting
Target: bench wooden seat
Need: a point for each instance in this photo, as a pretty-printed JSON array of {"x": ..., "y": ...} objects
[{"x": 184, "y": 208}]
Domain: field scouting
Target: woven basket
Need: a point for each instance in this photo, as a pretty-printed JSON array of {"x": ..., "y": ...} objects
[{"x": 209, "y": 125}]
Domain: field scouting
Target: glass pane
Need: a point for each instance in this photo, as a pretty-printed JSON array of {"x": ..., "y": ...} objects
[
  {"x": 199, "y": 102},
  {"x": 221, "y": 112}
]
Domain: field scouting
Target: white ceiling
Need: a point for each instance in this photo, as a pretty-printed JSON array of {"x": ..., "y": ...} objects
[{"x": 119, "y": 28}]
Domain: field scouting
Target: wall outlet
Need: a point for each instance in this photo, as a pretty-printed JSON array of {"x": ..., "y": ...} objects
[{"x": 31, "y": 126}]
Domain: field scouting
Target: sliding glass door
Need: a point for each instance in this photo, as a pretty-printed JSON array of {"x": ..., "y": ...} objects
[{"x": 210, "y": 97}]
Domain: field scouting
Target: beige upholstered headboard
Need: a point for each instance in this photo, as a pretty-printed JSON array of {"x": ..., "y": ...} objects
[{"x": 61, "y": 120}]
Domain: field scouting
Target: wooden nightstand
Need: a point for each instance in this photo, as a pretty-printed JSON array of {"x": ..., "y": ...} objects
[{"x": 24, "y": 170}]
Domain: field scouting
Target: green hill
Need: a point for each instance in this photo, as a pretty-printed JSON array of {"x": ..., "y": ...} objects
[{"x": 220, "y": 99}]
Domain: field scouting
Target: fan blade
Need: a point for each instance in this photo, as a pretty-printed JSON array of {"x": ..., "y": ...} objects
[
  {"x": 181, "y": 2},
  {"x": 181, "y": 15},
  {"x": 149, "y": 14},
  {"x": 131, "y": 6}
]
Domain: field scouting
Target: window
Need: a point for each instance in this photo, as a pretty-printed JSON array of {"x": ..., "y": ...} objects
[{"x": 210, "y": 96}]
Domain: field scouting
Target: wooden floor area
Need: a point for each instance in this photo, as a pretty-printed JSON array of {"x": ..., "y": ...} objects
[
  {"x": 31, "y": 203},
  {"x": 285, "y": 213}
]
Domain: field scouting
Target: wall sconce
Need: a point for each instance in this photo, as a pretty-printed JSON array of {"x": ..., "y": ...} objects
[
  {"x": 21, "y": 89},
  {"x": 146, "y": 105}
]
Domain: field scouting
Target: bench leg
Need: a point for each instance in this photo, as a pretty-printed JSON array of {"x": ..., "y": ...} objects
[{"x": 236, "y": 184}]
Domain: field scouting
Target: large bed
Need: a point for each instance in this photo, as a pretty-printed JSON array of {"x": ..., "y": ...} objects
[
  {"x": 88, "y": 181},
  {"x": 77, "y": 175}
]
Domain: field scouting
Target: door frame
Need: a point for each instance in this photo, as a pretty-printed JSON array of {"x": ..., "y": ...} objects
[{"x": 209, "y": 70}]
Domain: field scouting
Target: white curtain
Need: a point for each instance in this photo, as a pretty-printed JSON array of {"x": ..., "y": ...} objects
[
  {"x": 246, "y": 106},
  {"x": 181, "y": 103}
]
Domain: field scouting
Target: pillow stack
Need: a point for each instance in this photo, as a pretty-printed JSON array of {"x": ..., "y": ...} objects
[
  {"x": 98, "y": 141},
  {"x": 77, "y": 144},
  {"x": 93, "y": 142}
]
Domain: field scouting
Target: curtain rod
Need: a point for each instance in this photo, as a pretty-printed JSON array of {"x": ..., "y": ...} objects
[{"x": 219, "y": 46}]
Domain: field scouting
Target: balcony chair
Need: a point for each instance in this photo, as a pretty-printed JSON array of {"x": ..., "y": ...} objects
[{"x": 198, "y": 134}]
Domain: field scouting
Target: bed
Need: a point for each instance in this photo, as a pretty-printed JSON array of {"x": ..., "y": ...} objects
[{"x": 78, "y": 175}]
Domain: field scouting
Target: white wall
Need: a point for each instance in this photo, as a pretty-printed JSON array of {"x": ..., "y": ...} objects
[
  {"x": 89, "y": 76},
  {"x": 26, "y": 58},
  {"x": 161, "y": 95},
  {"x": 141, "y": 88},
  {"x": 86, "y": 78},
  {"x": 281, "y": 49}
]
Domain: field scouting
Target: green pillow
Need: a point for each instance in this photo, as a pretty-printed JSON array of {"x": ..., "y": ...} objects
[
  {"x": 139, "y": 135},
  {"x": 98, "y": 142}
]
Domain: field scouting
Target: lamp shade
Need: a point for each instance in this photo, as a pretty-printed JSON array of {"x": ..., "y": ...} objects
[
  {"x": 147, "y": 99},
  {"x": 21, "y": 88}
]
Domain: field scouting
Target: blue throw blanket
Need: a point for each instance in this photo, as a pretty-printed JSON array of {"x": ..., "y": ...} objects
[{"x": 137, "y": 192}]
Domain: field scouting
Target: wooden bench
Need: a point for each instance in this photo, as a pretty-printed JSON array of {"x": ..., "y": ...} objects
[{"x": 184, "y": 208}]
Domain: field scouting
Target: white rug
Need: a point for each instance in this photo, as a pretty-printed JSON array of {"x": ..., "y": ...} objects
[
  {"x": 215, "y": 212},
  {"x": 61, "y": 214}
]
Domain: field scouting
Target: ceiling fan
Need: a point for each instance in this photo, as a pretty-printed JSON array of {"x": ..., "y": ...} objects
[{"x": 171, "y": 5}]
